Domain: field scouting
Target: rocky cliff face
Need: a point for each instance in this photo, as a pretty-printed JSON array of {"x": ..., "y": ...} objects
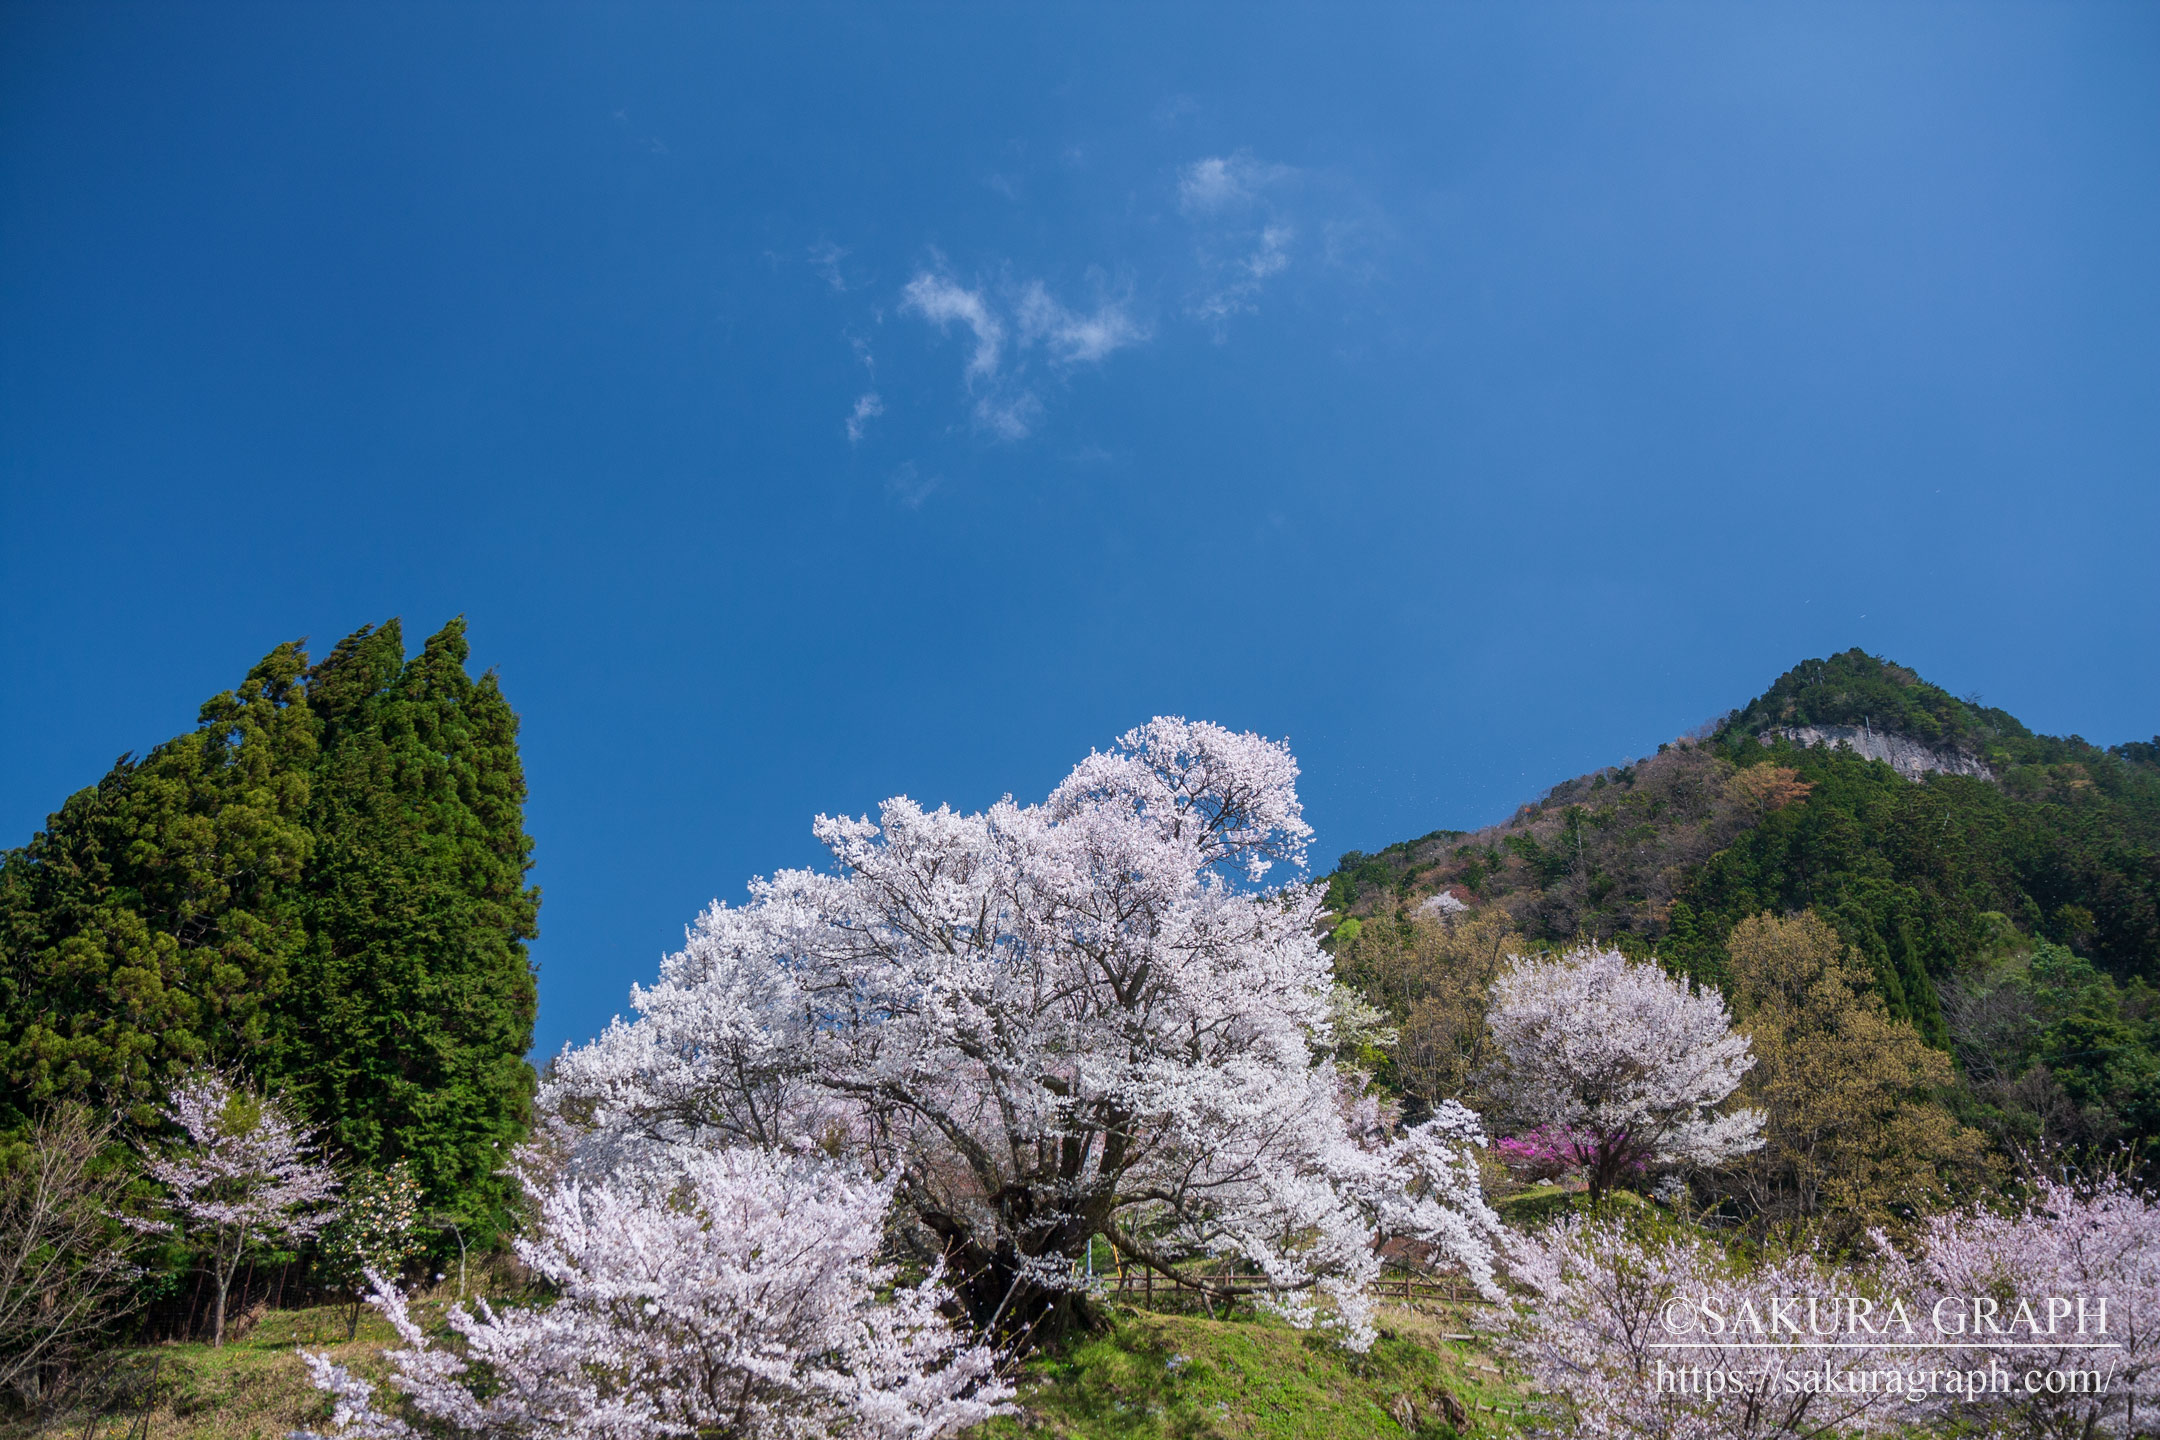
[{"x": 1908, "y": 757}]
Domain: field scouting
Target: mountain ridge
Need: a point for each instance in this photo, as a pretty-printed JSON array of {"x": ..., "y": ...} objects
[
  {"x": 2002, "y": 887},
  {"x": 2061, "y": 836}
]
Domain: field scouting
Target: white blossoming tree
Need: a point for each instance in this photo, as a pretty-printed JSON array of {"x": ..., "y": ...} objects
[
  {"x": 1624, "y": 1055},
  {"x": 242, "y": 1179},
  {"x": 376, "y": 1232},
  {"x": 1615, "y": 1338},
  {"x": 2064, "y": 1245},
  {"x": 734, "y": 1293},
  {"x": 1052, "y": 1022}
]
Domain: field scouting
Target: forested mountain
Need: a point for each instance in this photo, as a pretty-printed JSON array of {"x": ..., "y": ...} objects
[
  {"x": 2001, "y": 887},
  {"x": 323, "y": 883}
]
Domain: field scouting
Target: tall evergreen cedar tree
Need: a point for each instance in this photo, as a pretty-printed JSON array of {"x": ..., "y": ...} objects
[{"x": 324, "y": 882}]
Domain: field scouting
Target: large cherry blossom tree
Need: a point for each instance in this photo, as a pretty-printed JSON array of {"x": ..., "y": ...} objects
[
  {"x": 244, "y": 1177},
  {"x": 1052, "y": 1022},
  {"x": 734, "y": 1293},
  {"x": 1625, "y": 1056},
  {"x": 2065, "y": 1252}
]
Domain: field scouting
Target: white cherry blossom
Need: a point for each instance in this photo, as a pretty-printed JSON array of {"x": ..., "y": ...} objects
[
  {"x": 2063, "y": 1254},
  {"x": 1048, "y": 1023},
  {"x": 733, "y": 1293},
  {"x": 1592, "y": 1041},
  {"x": 242, "y": 1179},
  {"x": 1641, "y": 1335}
]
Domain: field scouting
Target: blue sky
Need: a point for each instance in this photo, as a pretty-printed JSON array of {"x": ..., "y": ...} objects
[{"x": 810, "y": 404}]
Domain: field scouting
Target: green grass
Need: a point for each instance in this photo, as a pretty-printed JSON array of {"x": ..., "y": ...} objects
[
  {"x": 1181, "y": 1377},
  {"x": 1541, "y": 1204},
  {"x": 1145, "y": 1376},
  {"x": 255, "y": 1388}
]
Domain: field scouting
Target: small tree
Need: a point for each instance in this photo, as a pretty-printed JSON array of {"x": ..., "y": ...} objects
[
  {"x": 64, "y": 1277},
  {"x": 1547, "y": 1153},
  {"x": 734, "y": 1293},
  {"x": 1433, "y": 978},
  {"x": 376, "y": 1229},
  {"x": 1855, "y": 1130},
  {"x": 240, "y": 1181},
  {"x": 1592, "y": 1041}
]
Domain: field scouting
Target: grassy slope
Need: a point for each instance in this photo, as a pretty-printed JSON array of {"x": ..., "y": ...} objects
[
  {"x": 1180, "y": 1377},
  {"x": 1148, "y": 1375},
  {"x": 255, "y": 1388}
]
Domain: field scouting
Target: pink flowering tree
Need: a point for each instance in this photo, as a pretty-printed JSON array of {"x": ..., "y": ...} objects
[
  {"x": 1622, "y": 1054},
  {"x": 733, "y": 1292},
  {"x": 2012, "y": 1283},
  {"x": 1617, "y": 1335},
  {"x": 1547, "y": 1151},
  {"x": 242, "y": 1179},
  {"x": 1086, "y": 1017}
]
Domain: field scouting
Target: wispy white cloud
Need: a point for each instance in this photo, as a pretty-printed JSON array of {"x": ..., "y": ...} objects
[
  {"x": 908, "y": 485},
  {"x": 1236, "y": 283},
  {"x": 1010, "y": 322},
  {"x": 942, "y": 301},
  {"x": 1226, "y": 182},
  {"x": 1243, "y": 237},
  {"x": 867, "y": 408},
  {"x": 1273, "y": 256},
  {"x": 1247, "y": 222},
  {"x": 1070, "y": 338},
  {"x": 825, "y": 257},
  {"x": 1011, "y": 416},
  {"x": 1206, "y": 186}
]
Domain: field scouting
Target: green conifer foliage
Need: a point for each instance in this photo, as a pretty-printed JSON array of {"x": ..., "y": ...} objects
[
  {"x": 413, "y": 1005},
  {"x": 151, "y": 924},
  {"x": 323, "y": 882}
]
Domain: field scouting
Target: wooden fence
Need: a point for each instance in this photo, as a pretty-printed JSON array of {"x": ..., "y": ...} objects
[{"x": 1148, "y": 1289}]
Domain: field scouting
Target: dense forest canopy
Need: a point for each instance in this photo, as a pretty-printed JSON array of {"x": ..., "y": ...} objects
[
  {"x": 2013, "y": 914},
  {"x": 322, "y": 884}
]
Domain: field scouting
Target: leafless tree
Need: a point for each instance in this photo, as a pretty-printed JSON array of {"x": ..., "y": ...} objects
[{"x": 65, "y": 1276}]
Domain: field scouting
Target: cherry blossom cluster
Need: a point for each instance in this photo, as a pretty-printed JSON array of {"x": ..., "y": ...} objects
[
  {"x": 1050, "y": 1022},
  {"x": 245, "y": 1168},
  {"x": 735, "y": 1292},
  {"x": 2063, "y": 1286},
  {"x": 1594, "y": 1043},
  {"x": 244, "y": 1176},
  {"x": 2042, "y": 1320},
  {"x": 1616, "y": 1333}
]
